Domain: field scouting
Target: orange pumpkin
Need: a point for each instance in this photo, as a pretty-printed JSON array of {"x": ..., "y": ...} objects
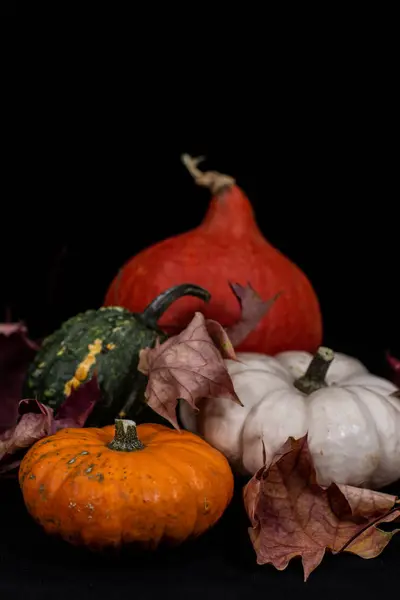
[{"x": 121, "y": 485}]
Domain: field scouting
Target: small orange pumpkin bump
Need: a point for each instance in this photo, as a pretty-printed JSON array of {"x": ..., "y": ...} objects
[{"x": 121, "y": 485}]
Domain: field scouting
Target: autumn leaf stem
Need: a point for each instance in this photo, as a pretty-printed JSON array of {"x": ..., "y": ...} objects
[{"x": 370, "y": 525}]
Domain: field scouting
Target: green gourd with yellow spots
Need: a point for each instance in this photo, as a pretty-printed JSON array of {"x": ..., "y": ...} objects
[{"x": 105, "y": 342}]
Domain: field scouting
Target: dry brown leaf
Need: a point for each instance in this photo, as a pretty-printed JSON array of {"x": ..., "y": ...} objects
[
  {"x": 253, "y": 310},
  {"x": 35, "y": 420},
  {"x": 291, "y": 515},
  {"x": 187, "y": 366},
  {"x": 220, "y": 338},
  {"x": 395, "y": 366},
  {"x": 16, "y": 353}
]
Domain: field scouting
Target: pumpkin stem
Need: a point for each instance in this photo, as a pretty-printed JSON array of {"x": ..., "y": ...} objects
[
  {"x": 126, "y": 438},
  {"x": 314, "y": 377},
  {"x": 396, "y": 394},
  {"x": 159, "y": 305},
  {"x": 210, "y": 179}
]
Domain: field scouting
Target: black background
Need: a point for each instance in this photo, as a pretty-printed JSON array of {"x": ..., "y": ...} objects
[
  {"x": 90, "y": 194},
  {"x": 96, "y": 183},
  {"x": 8, "y": 9}
]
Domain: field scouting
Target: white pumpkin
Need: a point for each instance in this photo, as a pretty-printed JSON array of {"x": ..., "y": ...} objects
[{"x": 351, "y": 418}]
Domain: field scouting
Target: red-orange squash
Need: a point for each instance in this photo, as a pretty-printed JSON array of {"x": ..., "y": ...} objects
[
  {"x": 227, "y": 246},
  {"x": 120, "y": 485}
]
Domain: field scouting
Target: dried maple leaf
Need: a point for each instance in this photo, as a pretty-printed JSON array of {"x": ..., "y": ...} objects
[
  {"x": 75, "y": 410},
  {"x": 221, "y": 339},
  {"x": 253, "y": 310},
  {"x": 16, "y": 352},
  {"x": 187, "y": 366},
  {"x": 291, "y": 515},
  {"x": 395, "y": 366},
  {"x": 34, "y": 421}
]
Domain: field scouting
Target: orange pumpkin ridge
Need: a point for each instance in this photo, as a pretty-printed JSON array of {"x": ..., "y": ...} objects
[{"x": 125, "y": 485}]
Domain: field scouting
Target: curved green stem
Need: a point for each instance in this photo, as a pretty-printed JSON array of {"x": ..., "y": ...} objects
[
  {"x": 159, "y": 305},
  {"x": 314, "y": 377}
]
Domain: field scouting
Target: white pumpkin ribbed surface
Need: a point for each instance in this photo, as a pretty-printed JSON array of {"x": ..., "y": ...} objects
[{"x": 353, "y": 424}]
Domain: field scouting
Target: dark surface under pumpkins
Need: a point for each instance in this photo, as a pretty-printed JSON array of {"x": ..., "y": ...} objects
[{"x": 220, "y": 564}]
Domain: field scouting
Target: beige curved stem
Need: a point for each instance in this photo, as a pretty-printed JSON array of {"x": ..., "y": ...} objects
[{"x": 212, "y": 180}]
